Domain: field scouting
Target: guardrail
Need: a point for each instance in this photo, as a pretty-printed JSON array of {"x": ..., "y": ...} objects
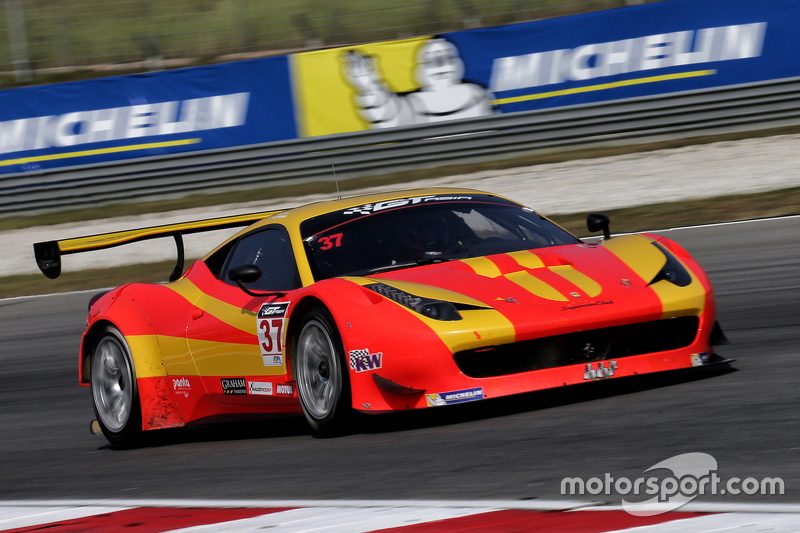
[{"x": 646, "y": 119}]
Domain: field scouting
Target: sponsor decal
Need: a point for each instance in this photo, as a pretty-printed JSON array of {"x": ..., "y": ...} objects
[
  {"x": 454, "y": 397},
  {"x": 233, "y": 386},
  {"x": 587, "y": 304},
  {"x": 181, "y": 386},
  {"x": 638, "y": 54},
  {"x": 601, "y": 371},
  {"x": 367, "y": 209},
  {"x": 270, "y": 322},
  {"x": 284, "y": 390},
  {"x": 259, "y": 388},
  {"x": 120, "y": 123},
  {"x": 362, "y": 360},
  {"x": 700, "y": 359}
]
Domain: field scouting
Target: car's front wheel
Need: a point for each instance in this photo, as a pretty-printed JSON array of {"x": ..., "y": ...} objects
[
  {"x": 114, "y": 392},
  {"x": 323, "y": 383}
]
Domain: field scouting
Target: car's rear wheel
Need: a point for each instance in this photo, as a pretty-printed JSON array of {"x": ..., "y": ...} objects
[
  {"x": 114, "y": 392},
  {"x": 323, "y": 383}
]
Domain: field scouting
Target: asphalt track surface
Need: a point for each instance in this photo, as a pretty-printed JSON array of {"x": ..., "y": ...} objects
[{"x": 513, "y": 448}]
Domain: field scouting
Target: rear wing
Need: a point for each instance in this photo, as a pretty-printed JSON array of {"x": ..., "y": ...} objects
[{"x": 48, "y": 254}]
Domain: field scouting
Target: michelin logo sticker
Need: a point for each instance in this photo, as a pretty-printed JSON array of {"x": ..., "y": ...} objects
[
  {"x": 443, "y": 94},
  {"x": 454, "y": 397}
]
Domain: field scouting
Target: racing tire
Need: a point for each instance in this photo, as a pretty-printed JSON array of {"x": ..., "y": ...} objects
[
  {"x": 115, "y": 396},
  {"x": 321, "y": 375}
]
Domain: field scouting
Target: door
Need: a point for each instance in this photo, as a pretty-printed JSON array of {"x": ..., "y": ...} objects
[{"x": 233, "y": 335}]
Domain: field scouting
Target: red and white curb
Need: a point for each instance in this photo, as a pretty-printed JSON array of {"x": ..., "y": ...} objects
[{"x": 278, "y": 516}]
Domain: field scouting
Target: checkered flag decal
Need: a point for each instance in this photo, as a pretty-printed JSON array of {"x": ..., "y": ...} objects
[{"x": 355, "y": 355}]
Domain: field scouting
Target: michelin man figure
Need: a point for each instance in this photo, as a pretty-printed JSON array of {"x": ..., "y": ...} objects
[{"x": 442, "y": 95}]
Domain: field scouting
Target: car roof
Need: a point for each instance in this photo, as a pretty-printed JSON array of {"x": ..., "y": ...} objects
[
  {"x": 292, "y": 218},
  {"x": 296, "y": 215}
]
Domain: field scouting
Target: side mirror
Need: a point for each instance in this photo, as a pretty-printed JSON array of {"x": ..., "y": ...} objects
[
  {"x": 248, "y": 274},
  {"x": 245, "y": 274},
  {"x": 596, "y": 222}
]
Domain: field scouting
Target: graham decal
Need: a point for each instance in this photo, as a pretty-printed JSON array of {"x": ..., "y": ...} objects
[{"x": 233, "y": 386}]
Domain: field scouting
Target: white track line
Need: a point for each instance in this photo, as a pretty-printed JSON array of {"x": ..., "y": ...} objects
[
  {"x": 719, "y": 523},
  {"x": 699, "y": 226},
  {"x": 35, "y": 296},
  {"x": 17, "y": 516}
]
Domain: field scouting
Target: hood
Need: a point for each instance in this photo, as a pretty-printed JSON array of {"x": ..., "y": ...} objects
[{"x": 552, "y": 290}]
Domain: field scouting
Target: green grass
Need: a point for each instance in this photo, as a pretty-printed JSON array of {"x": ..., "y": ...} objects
[
  {"x": 89, "y": 32},
  {"x": 654, "y": 216}
]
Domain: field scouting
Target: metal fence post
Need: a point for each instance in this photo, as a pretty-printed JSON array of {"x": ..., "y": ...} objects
[{"x": 18, "y": 40}]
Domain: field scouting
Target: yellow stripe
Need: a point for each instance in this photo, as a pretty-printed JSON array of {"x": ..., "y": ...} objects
[
  {"x": 231, "y": 359},
  {"x": 176, "y": 356},
  {"x": 232, "y": 315},
  {"x": 526, "y": 259},
  {"x": 536, "y": 286},
  {"x": 579, "y": 279},
  {"x": 180, "y": 354},
  {"x": 646, "y": 260},
  {"x": 491, "y": 326},
  {"x": 483, "y": 266},
  {"x": 98, "y": 151},
  {"x": 604, "y": 86},
  {"x": 638, "y": 253},
  {"x": 146, "y": 355},
  {"x": 121, "y": 237}
]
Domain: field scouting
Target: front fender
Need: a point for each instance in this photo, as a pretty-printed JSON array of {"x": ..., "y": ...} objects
[{"x": 397, "y": 343}]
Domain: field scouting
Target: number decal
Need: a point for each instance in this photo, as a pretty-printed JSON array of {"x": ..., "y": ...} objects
[
  {"x": 269, "y": 335},
  {"x": 270, "y": 321},
  {"x": 334, "y": 240}
]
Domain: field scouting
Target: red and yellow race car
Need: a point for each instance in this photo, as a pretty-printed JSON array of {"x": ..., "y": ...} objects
[{"x": 387, "y": 302}]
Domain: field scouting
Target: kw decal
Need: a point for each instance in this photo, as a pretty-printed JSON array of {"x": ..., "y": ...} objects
[{"x": 362, "y": 360}]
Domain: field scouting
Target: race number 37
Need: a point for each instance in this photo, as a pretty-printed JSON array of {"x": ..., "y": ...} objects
[{"x": 270, "y": 328}]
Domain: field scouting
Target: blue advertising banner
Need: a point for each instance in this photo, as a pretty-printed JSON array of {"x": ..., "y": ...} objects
[
  {"x": 199, "y": 108},
  {"x": 668, "y": 46}
]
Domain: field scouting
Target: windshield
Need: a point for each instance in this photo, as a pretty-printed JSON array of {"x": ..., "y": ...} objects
[{"x": 420, "y": 230}]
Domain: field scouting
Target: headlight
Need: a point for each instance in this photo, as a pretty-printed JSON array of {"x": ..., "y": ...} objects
[
  {"x": 435, "y": 309},
  {"x": 673, "y": 270}
]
